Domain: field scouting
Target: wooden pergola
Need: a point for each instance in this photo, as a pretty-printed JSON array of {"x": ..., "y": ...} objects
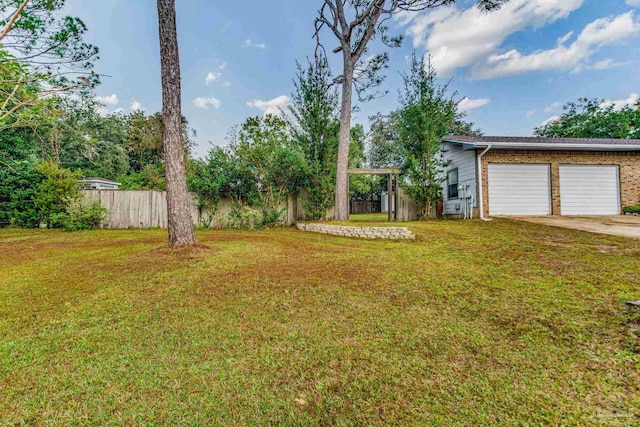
[{"x": 390, "y": 172}]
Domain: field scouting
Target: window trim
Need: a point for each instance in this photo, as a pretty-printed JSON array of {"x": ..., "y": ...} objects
[{"x": 456, "y": 184}]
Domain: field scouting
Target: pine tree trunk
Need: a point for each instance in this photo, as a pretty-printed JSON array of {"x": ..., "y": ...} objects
[
  {"x": 181, "y": 230},
  {"x": 342, "y": 175}
]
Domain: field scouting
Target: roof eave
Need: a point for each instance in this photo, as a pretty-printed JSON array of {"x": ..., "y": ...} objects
[
  {"x": 546, "y": 146},
  {"x": 101, "y": 181}
]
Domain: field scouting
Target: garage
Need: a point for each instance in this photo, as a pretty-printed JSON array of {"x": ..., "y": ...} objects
[
  {"x": 589, "y": 190},
  {"x": 519, "y": 189}
]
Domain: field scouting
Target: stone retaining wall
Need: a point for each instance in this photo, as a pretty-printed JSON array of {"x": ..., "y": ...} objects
[{"x": 392, "y": 233}]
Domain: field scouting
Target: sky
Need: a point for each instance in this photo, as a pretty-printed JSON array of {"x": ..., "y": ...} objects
[{"x": 513, "y": 69}]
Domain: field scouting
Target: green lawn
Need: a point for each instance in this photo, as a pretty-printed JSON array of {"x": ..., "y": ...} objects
[
  {"x": 375, "y": 217},
  {"x": 500, "y": 323}
]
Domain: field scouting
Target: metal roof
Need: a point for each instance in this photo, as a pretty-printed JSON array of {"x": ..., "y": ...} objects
[{"x": 98, "y": 179}]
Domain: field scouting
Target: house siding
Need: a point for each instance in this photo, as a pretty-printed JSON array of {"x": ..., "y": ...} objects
[
  {"x": 465, "y": 161},
  {"x": 627, "y": 162}
]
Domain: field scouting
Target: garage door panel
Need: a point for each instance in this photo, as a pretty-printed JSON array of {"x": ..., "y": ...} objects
[
  {"x": 589, "y": 190},
  {"x": 519, "y": 189}
]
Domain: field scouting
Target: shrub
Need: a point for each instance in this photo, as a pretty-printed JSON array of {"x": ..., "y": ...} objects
[
  {"x": 272, "y": 216},
  {"x": 58, "y": 201},
  {"x": 151, "y": 178},
  {"x": 80, "y": 215},
  {"x": 55, "y": 191},
  {"x": 18, "y": 183},
  {"x": 244, "y": 217},
  {"x": 633, "y": 209}
]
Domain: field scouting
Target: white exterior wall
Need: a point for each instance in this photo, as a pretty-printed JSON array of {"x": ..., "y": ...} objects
[
  {"x": 455, "y": 157},
  {"x": 384, "y": 202}
]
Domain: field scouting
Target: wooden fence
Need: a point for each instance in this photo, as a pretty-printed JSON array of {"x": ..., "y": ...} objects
[
  {"x": 407, "y": 210},
  {"x": 148, "y": 209},
  {"x": 365, "y": 206}
]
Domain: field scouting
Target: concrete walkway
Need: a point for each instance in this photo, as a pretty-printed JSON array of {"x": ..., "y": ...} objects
[{"x": 625, "y": 226}]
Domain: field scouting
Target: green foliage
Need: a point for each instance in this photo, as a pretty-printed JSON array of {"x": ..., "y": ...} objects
[
  {"x": 144, "y": 142},
  {"x": 366, "y": 187},
  {"x": 89, "y": 141},
  {"x": 259, "y": 170},
  {"x": 361, "y": 187},
  {"x": 633, "y": 209},
  {"x": 219, "y": 176},
  {"x": 46, "y": 50},
  {"x": 315, "y": 129},
  {"x": 384, "y": 149},
  {"x": 427, "y": 113},
  {"x": 79, "y": 215},
  {"x": 18, "y": 182},
  {"x": 17, "y": 86},
  {"x": 593, "y": 118},
  {"x": 244, "y": 217},
  {"x": 55, "y": 192},
  {"x": 151, "y": 178},
  {"x": 59, "y": 203},
  {"x": 18, "y": 179}
]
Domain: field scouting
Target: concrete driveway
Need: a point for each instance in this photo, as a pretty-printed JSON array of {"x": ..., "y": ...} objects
[{"x": 625, "y": 226}]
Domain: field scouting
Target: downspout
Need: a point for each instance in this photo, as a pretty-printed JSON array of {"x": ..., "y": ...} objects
[{"x": 480, "y": 186}]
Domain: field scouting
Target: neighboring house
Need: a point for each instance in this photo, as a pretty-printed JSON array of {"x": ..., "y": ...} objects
[
  {"x": 96, "y": 183},
  {"x": 523, "y": 176}
]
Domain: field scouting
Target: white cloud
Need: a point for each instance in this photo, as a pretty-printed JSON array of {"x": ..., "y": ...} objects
[
  {"x": 273, "y": 106},
  {"x": 551, "y": 107},
  {"x": 108, "y": 100},
  {"x": 462, "y": 38},
  {"x": 249, "y": 43},
  {"x": 530, "y": 113},
  {"x": 212, "y": 78},
  {"x": 621, "y": 103},
  {"x": 607, "y": 63},
  {"x": 135, "y": 105},
  {"x": 226, "y": 83},
  {"x": 467, "y": 104},
  {"x": 550, "y": 120},
  {"x": 602, "y": 65},
  {"x": 470, "y": 38},
  {"x": 204, "y": 103},
  {"x": 633, "y": 3},
  {"x": 222, "y": 66},
  {"x": 565, "y": 38},
  {"x": 599, "y": 33}
]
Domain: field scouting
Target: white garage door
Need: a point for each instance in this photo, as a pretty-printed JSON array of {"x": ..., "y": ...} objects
[
  {"x": 589, "y": 190},
  {"x": 519, "y": 189}
]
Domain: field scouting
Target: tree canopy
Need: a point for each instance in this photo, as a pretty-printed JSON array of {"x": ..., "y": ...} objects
[
  {"x": 594, "y": 118},
  {"x": 428, "y": 112},
  {"x": 41, "y": 54}
]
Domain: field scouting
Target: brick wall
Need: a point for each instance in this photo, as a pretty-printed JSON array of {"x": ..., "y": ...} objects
[{"x": 629, "y": 166}]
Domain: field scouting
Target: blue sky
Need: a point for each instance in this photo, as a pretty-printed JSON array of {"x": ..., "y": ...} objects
[{"x": 516, "y": 66}]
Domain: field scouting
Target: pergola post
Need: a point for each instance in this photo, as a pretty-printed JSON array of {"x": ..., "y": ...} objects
[
  {"x": 390, "y": 172},
  {"x": 389, "y": 188},
  {"x": 396, "y": 199}
]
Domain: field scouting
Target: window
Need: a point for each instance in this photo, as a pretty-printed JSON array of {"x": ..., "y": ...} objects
[{"x": 452, "y": 184}]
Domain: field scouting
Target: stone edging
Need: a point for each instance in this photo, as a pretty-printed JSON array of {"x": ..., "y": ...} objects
[{"x": 390, "y": 233}]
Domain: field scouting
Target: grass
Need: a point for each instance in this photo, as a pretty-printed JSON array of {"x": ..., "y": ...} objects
[
  {"x": 372, "y": 217},
  {"x": 501, "y": 323}
]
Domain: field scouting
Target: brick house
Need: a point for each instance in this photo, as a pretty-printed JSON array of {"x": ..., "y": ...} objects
[{"x": 521, "y": 176}]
